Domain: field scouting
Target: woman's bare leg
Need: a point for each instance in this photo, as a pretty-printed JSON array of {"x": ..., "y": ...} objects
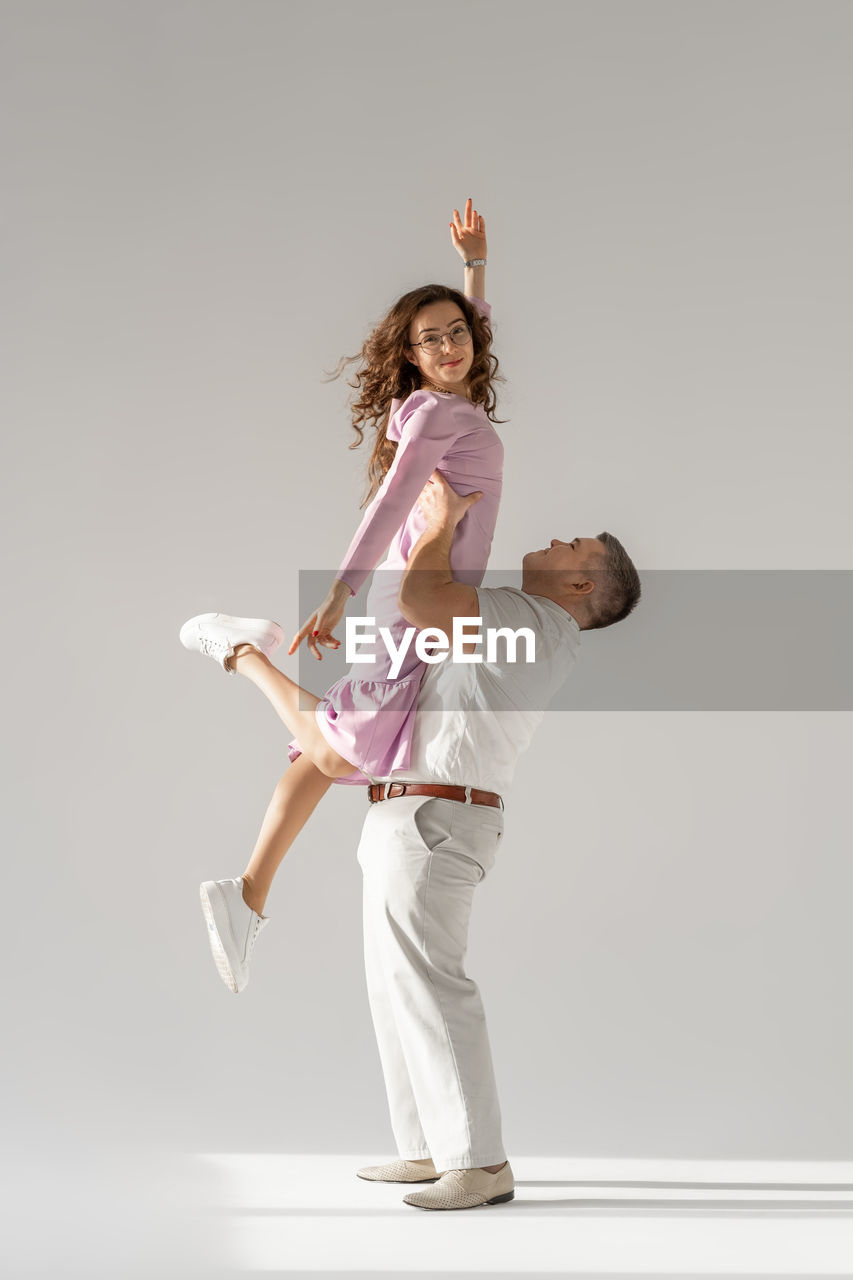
[
  {"x": 285, "y": 695},
  {"x": 304, "y": 784},
  {"x": 294, "y": 800}
]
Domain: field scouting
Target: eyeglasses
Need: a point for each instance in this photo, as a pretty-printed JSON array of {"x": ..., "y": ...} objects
[{"x": 459, "y": 335}]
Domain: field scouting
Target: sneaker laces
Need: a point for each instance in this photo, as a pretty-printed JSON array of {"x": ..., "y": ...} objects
[{"x": 214, "y": 648}]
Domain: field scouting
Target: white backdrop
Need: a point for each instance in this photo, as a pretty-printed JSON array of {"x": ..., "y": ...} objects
[{"x": 207, "y": 204}]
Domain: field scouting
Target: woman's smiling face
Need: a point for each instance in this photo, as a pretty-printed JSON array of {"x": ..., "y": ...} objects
[{"x": 449, "y": 365}]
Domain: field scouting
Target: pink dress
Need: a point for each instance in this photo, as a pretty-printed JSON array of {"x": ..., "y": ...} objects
[{"x": 370, "y": 721}]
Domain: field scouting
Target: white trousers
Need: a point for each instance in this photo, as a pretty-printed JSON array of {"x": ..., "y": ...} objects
[{"x": 422, "y": 858}]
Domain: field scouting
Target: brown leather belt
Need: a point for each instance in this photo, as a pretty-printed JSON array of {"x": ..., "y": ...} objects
[{"x": 471, "y": 795}]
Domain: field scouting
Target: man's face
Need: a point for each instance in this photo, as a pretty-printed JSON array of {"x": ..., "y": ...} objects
[
  {"x": 562, "y": 566},
  {"x": 565, "y": 556}
]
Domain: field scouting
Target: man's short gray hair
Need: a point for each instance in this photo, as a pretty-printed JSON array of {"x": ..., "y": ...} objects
[{"x": 617, "y": 586}]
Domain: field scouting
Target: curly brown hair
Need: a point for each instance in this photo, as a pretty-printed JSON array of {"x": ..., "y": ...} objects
[{"x": 387, "y": 374}]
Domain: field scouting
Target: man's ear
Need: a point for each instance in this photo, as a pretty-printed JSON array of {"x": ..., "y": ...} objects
[{"x": 583, "y": 587}]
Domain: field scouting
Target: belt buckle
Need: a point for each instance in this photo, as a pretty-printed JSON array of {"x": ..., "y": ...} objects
[{"x": 385, "y": 790}]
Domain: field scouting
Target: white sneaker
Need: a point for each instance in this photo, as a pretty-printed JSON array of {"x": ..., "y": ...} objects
[
  {"x": 232, "y": 929},
  {"x": 218, "y": 634}
]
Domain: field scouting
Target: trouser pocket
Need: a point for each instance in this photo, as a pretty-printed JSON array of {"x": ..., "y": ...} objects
[{"x": 467, "y": 831}]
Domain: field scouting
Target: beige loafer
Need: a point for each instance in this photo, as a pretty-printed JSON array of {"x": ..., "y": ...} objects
[
  {"x": 466, "y": 1189},
  {"x": 400, "y": 1171}
]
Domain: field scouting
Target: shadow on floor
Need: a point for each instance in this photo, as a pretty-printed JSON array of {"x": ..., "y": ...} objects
[{"x": 662, "y": 1206}]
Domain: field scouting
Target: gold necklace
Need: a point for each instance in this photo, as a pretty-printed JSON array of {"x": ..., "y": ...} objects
[{"x": 443, "y": 390}]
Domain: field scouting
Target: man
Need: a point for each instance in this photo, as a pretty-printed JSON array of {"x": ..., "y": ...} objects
[{"x": 432, "y": 832}]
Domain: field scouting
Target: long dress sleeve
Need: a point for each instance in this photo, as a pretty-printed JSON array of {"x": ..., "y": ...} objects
[{"x": 428, "y": 431}]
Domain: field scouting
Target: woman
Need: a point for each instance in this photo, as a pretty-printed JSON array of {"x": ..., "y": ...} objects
[{"x": 427, "y": 383}]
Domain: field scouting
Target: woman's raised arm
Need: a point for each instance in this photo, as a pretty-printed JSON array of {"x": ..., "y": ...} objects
[{"x": 469, "y": 241}]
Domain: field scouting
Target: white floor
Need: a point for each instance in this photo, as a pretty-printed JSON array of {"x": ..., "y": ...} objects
[{"x": 308, "y": 1214}]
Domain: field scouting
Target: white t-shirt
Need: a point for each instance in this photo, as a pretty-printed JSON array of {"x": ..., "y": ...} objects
[{"x": 475, "y": 719}]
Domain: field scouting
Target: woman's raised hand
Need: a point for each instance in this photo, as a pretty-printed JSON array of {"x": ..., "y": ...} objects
[
  {"x": 469, "y": 237},
  {"x": 319, "y": 627}
]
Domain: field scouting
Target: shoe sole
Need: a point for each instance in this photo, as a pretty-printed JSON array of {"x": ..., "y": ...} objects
[
  {"x": 510, "y": 1195},
  {"x": 216, "y": 947}
]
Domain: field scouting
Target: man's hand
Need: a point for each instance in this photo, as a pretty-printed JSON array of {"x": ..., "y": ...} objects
[
  {"x": 429, "y": 595},
  {"x": 442, "y": 506}
]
